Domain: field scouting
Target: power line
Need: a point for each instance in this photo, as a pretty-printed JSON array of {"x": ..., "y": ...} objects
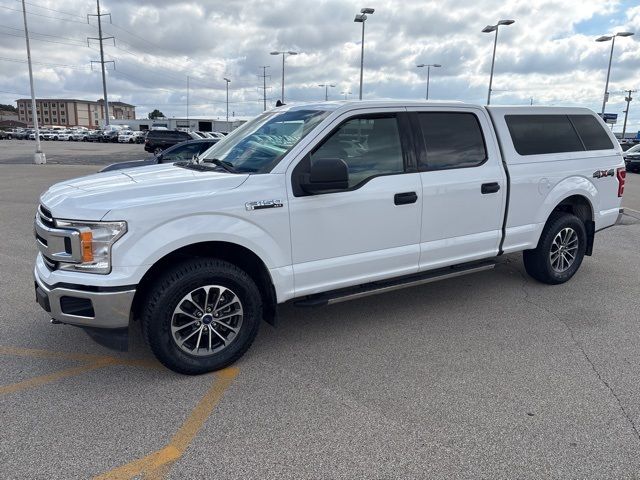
[
  {"x": 61, "y": 65},
  {"x": 45, "y": 16},
  {"x": 42, "y": 40},
  {"x": 52, "y": 10}
]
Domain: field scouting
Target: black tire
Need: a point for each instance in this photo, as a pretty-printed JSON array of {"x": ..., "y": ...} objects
[
  {"x": 537, "y": 262},
  {"x": 170, "y": 289}
]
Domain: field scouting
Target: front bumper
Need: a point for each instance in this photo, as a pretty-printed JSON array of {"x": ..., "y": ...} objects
[{"x": 94, "y": 307}]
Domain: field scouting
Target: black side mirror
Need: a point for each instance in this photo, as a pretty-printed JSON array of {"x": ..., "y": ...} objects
[{"x": 326, "y": 174}]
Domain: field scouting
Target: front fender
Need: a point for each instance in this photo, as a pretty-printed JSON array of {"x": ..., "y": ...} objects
[{"x": 146, "y": 248}]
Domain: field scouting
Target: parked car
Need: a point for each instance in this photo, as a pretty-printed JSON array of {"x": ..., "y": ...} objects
[
  {"x": 65, "y": 135},
  {"x": 126, "y": 136},
  {"x": 3, "y": 135},
  {"x": 159, "y": 140},
  {"x": 93, "y": 136},
  {"x": 334, "y": 202},
  {"x": 180, "y": 152},
  {"x": 41, "y": 134},
  {"x": 632, "y": 158},
  {"x": 78, "y": 135},
  {"x": 110, "y": 136}
]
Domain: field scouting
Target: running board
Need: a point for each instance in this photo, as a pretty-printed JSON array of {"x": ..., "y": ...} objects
[{"x": 360, "y": 291}]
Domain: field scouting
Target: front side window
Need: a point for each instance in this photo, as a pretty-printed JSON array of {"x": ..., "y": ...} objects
[
  {"x": 369, "y": 146},
  {"x": 258, "y": 145},
  {"x": 452, "y": 140}
]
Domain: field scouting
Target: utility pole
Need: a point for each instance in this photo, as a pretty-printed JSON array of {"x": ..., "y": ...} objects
[
  {"x": 38, "y": 157},
  {"x": 100, "y": 38},
  {"x": 627, "y": 99},
  {"x": 228, "y": 81},
  {"x": 264, "y": 85},
  {"x": 187, "y": 98}
]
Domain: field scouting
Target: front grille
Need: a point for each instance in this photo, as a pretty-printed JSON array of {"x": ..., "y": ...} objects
[
  {"x": 50, "y": 264},
  {"x": 46, "y": 217}
]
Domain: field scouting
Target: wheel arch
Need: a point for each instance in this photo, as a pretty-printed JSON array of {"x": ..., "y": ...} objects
[
  {"x": 236, "y": 254},
  {"x": 578, "y": 204}
]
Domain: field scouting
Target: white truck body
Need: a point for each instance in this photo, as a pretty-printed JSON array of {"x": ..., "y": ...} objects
[{"x": 314, "y": 244}]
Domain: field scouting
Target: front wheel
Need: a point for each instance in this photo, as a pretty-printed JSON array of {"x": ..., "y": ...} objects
[
  {"x": 560, "y": 250},
  {"x": 202, "y": 316}
]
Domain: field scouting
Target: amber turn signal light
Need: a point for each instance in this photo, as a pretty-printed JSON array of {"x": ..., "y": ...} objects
[{"x": 86, "y": 246}]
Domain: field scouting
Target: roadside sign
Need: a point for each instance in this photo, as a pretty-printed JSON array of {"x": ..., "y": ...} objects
[
  {"x": 611, "y": 118},
  {"x": 638, "y": 135}
]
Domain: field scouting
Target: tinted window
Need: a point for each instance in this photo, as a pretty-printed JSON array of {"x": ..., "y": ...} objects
[
  {"x": 453, "y": 140},
  {"x": 539, "y": 134},
  {"x": 369, "y": 146},
  {"x": 591, "y": 132},
  {"x": 182, "y": 152}
]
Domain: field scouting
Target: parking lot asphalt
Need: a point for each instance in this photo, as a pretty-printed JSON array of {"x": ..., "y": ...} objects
[
  {"x": 71, "y": 153},
  {"x": 490, "y": 375}
]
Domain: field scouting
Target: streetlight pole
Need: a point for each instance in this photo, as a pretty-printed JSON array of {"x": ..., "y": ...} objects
[
  {"x": 345, "y": 94},
  {"x": 326, "y": 90},
  {"x": 283, "y": 53},
  {"x": 362, "y": 18},
  {"x": 39, "y": 156},
  {"x": 489, "y": 29},
  {"x": 228, "y": 82},
  {"x": 606, "y": 38},
  {"x": 435, "y": 65}
]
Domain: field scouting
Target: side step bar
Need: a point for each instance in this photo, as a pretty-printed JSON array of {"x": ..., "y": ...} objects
[{"x": 360, "y": 291}]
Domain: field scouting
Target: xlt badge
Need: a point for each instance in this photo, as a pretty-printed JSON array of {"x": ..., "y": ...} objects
[{"x": 262, "y": 204}]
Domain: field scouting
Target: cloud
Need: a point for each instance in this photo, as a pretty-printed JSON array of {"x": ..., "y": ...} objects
[{"x": 546, "y": 55}]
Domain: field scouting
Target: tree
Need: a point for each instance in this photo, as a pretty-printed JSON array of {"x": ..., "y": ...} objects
[
  {"x": 156, "y": 114},
  {"x": 8, "y": 108}
]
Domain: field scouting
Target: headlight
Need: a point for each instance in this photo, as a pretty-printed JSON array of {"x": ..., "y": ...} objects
[{"x": 96, "y": 240}]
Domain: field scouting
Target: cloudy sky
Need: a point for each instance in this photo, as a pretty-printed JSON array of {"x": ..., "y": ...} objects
[{"x": 549, "y": 54}]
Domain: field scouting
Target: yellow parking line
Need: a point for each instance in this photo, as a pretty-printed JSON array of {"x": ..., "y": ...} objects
[
  {"x": 80, "y": 357},
  {"x": 157, "y": 464},
  {"x": 52, "y": 377}
]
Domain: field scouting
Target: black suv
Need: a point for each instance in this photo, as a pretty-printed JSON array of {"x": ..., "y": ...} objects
[
  {"x": 180, "y": 152},
  {"x": 159, "y": 140}
]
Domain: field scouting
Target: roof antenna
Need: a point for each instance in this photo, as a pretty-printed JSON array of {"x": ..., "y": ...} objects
[{"x": 279, "y": 103}]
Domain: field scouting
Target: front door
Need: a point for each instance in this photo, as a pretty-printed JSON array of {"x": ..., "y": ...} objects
[{"x": 369, "y": 231}]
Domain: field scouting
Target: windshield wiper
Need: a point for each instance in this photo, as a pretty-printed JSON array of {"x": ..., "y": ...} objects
[{"x": 228, "y": 166}]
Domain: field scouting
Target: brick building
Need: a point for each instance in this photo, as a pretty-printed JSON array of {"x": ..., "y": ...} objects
[{"x": 72, "y": 112}]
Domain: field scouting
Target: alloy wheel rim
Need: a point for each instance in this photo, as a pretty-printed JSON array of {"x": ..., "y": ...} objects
[
  {"x": 563, "y": 250},
  {"x": 207, "y": 320}
]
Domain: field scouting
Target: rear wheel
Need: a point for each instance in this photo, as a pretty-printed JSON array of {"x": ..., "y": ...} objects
[
  {"x": 202, "y": 316},
  {"x": 157, "y": 151},
  {"x": 560, "y": 250}
]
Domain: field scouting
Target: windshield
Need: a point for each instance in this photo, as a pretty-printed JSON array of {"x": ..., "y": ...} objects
[{"x": 258, "y": 145}]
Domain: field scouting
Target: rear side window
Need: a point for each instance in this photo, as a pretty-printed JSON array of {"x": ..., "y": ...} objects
[
  {"x": 591, "y": 132},
  {"x": 540, "y": 134},
  {"x": 453, "y": 140}
]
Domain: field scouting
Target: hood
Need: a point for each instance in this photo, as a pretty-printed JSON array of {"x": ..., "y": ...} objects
[{"x": 92, "y": 197}]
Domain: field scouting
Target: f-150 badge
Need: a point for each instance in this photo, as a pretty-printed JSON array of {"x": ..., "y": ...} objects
[
  {"x": 603, "y": 173},
  {"x": 262, "y": 204}
]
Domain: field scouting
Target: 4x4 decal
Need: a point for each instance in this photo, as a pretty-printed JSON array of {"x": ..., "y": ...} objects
[{"x": 604, "y": 173}]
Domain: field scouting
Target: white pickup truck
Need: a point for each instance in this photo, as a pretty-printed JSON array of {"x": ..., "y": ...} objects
[{"x": 321, "y": 203}]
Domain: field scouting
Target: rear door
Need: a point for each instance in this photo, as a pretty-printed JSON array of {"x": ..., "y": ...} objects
[{"x": 463, "y": 185}]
